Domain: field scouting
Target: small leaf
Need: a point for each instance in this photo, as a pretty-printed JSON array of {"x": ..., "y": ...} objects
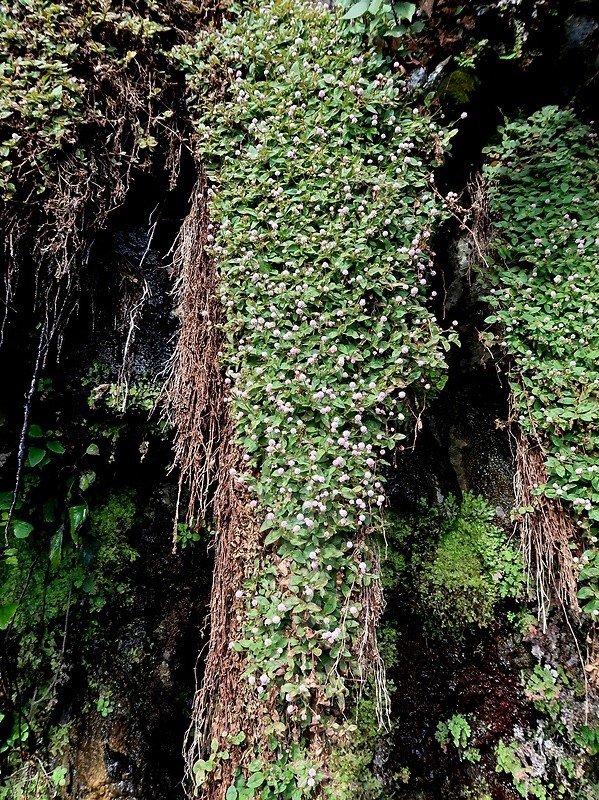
[
  {"x": 49, "y": 510},
  {"x": 405, "y": 10},
  {"x": 93, "y": 450},
  {"x": 35, "y": 455},
  {"x": 266, "y": 525},
  {"x": 35, "y": 432},
  {"x": 585, "y": 593},
  {"x": 56, "y": 447},
  {"x": 7, "y": 612},
  {"x": 56, "y": 550},
  {"x": 21, "y": 529},
  {"x": 231, "y": 793},
  {"x": 77, "y": 516},
  {"x": 357, "y": 10},
  {"x": 86, "y": 479},
  {"x": 255, "y": 780},
  {"x": 272, "y": 537}
]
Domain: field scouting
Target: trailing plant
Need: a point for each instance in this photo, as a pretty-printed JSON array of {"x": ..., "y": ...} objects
[
  {"x": 322, "y": 213},
  {"x": 544, "y": 200}
]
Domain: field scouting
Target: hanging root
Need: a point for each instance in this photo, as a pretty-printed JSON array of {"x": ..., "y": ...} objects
[
  {"x": 369, "y": 659},
  {"x": 41, "y": 354},
  {"x": 225, "y": 703},
  {"x": 480, "y": 228},
  {"x": 194, "y": 393},
  {"x": 546, "y": 532},
  {"x": 208, "y": 462}
]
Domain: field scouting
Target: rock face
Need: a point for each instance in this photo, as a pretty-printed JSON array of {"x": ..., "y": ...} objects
[
  {"x": 134, "y": 676},
  {"x": 103, "y": 761}
]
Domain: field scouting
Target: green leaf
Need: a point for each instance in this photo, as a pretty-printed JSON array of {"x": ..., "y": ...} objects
[
  {"x": 77, "y": 516},
  {"x": 589, "y": 572},
  {"x": 34, "y": 456},
  {"x": 374, "y": 6},
  {"x": 56, "y": 550},
  {"x": 49, "y": 510},
  {"x": 7, "y": 612},
  {"x": 56, "y": 447},
  {"x": 231, "y": 793},
  {"x": 357, "y": 10},
  {"x": 396, "y": 32},
  {"x": 93, "y": 450},
  {"x": 35, "y": 432},
  {"x": 21, "y": 529},
  {"x": 86, "y": 479},
  {"x": 255, "y": 780},
  {"x": 272, "y": 537},
  {"x": 585, "y": 593},
  {"x": 405, "y": 10}
]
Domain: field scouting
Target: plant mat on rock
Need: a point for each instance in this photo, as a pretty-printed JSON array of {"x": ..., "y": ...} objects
[{"x": 321, "y": 216}]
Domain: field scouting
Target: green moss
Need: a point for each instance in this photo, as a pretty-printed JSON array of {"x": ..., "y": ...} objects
[
  {"x": 454, "y": 564},
  {"x": 459, "y": 85},
  {"x": 111, "y": 551}
]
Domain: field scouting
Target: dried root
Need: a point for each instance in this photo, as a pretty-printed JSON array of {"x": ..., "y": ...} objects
[
  {"x": 225, "y": 704},
  {"x": 194, "y": 392},
  {"x": 367, "y": 652},
  {"x": 546, "y": 533}
]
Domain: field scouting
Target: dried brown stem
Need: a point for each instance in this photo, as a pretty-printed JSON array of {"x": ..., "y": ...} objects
[{"x": 546, "y": 533}]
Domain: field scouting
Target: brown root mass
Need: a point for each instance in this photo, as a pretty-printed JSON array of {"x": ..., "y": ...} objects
[
  {"x": 208, "y": 462},
  {"x": 547, "y": 534}
]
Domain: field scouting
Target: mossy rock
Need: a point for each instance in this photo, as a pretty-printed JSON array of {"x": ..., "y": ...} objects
[{"x": 455, "y": 564}]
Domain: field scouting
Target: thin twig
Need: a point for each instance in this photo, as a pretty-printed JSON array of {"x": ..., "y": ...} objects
[{"x": 41, "y": 352}]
